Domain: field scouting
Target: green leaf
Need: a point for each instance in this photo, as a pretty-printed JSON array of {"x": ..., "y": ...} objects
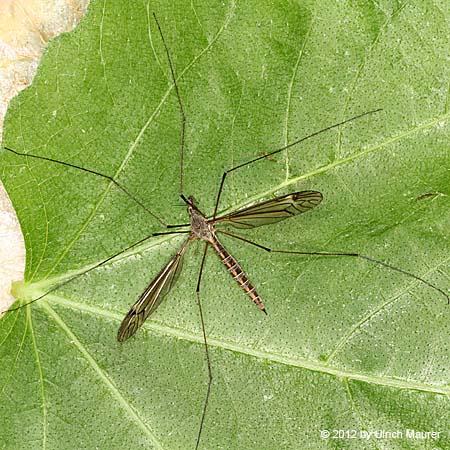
[{"x": 346, "y": 345}]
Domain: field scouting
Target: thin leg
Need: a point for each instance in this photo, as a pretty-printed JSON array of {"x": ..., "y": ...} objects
[
  {"x": 183, "y": 115},
  {"x": 355, "y": 255},
  {"x": 111, "y": 179},
  {"x": 69, "y": 280},
  {"x": 266, "y": 155},
  {"x": 170, "y": 232},
  {"x": 208, "y": 361},
  {"x": 179, "y": 226},
  {"x": 185, "y": 200},
  {"x": 267, "y": 249}
]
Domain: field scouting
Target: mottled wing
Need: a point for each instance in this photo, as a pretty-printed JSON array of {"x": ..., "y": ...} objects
[
  {"x": 152, "y": 297},
  {"x": 273, "y": 210}
]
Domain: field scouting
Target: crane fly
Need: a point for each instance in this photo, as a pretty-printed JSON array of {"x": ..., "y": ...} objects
[
  {"x": 263, "y": 213},
  {"x": 270, "y": 211}
]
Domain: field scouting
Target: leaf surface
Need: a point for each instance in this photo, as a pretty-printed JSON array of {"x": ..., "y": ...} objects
[{"x": 346, "y": 344}]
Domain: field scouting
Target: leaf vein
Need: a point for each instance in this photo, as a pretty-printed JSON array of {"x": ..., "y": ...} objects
[
  {"x": 297, "y": 362},
  {"x": 101, "y": 374}
]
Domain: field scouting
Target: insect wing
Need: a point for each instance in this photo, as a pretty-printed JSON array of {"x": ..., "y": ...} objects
[
  {"x": 274, "y": 210},
  {"x": 152, "y": 297}
]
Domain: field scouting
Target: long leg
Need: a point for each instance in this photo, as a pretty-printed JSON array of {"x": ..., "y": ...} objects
[
  {"x": 78, "y": 275},
  {"x": 170, "y": 232},
  {"x": 111, "y": 179},
  {"x": 354, "y": 255},
  {"x": 208, "y": 361},
  {"x": 183, "y": 115},
  {"x": 266, "y": 155}
]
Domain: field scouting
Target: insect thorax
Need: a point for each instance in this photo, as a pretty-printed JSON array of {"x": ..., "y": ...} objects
[{"x": 200, "y": 227}]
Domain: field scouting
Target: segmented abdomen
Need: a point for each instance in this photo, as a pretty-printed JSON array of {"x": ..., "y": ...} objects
[{"x": 237, "y": 273}]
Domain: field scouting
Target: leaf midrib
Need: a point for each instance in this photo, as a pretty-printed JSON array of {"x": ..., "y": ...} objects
[{"x": 300, "y": 363}]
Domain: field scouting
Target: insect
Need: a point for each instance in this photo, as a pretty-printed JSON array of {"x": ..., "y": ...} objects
[{"x": 265, "y": 213}]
